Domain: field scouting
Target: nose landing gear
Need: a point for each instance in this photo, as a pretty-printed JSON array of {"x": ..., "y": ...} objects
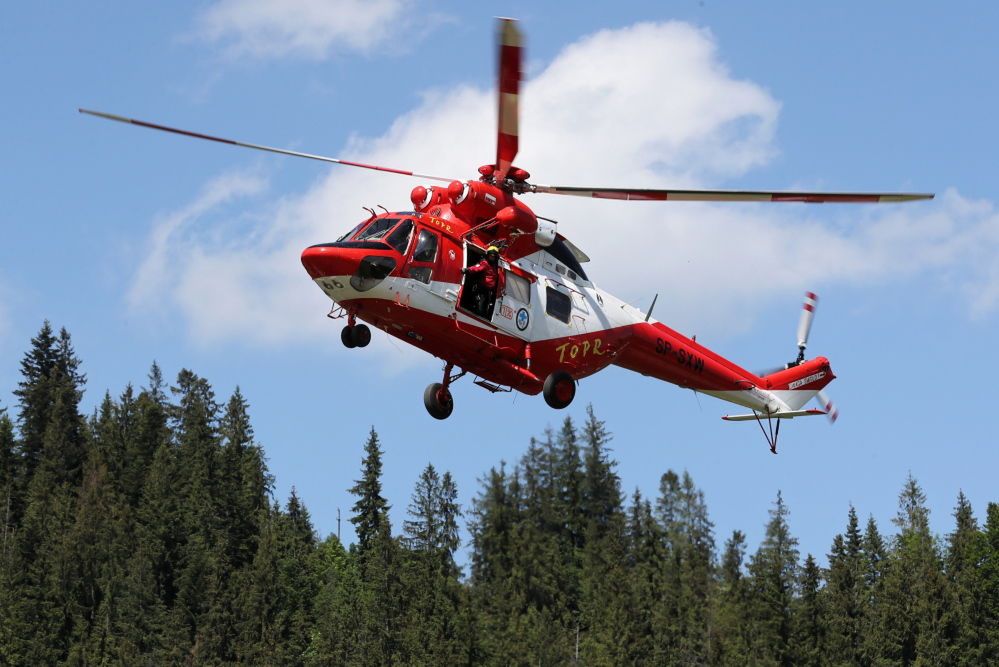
[
  {"x": 355, "y": 335},
  {"x": 437, "y": 397},
  {"x": 358, "y": 335}
]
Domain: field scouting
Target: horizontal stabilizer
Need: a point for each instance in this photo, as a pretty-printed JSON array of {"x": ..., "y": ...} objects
[{"x": 790, "y": 414}]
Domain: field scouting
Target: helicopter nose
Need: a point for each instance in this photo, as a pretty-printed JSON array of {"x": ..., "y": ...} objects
[{"x": 321, "y": 261}]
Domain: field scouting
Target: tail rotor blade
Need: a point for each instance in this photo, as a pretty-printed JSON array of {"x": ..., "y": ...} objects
[
  {"x": 510, "y": 60},
  {"x": 807, "y": 315},
  {"x": 832, "y": 412}
]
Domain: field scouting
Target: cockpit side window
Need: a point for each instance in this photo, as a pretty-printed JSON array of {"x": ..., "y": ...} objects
[
  {"x": 426, "y": 247},
  {"x": 399, "y": 238},
  {"x": 376, "y": 230}
]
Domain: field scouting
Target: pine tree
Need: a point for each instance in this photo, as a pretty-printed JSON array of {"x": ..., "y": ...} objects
[
  {"x": 913, "y": 615},
  {"x": 39, "y": 607},
  {"x": 874, "y": 563},
  {"x": 100, "y": 544},
  {"x": 988, "y": 586},
  {"x": 966, "y": 549},
  {"x": 542, "y": 574},
  {"x": 495, "y": 599},
  {"x": 682, "y": 621},
  {"x": 34, "y": 393},
  {"x": 8, "y": 479},
  {"x": 378, "y": 559},
  {"x": 150, "y": 431},
  {"x": 338, "y": 634},
  {"x": 846, "y": 592},
  {"x": 431, "y": 632},
  {"x": 371, "y": 509},
  {"x": 733, "y": 631},
  {"x": 810, "y": 619},
  {"x": 646, "y": 557},
  {"x": 275, "y": 603},
  {"x": 774, "y": 569},
  {"x": 606, "y": 597},
  {"x": 244, "y": 481},
  {"x": 568, "y": 483},
  {"x": 204, "y": 598}
]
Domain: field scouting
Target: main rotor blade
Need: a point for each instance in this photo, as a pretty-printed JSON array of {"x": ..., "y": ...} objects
[
  {"x": 510, "y": 58},
  {"x": 733, "y": 195},
  {"x": 259, "y": 147}
]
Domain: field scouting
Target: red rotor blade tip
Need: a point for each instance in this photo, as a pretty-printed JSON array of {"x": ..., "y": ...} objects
[{"x": 510, "y": 60}]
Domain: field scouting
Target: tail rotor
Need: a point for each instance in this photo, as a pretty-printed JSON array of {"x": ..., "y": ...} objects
[
  {"x": 805, "y": 323},
  {"x": 804, "y": 329},
  {"x": 832, "y": 412}
]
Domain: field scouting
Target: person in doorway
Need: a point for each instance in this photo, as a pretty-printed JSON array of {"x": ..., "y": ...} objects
[{"x": 490, "y": 284}]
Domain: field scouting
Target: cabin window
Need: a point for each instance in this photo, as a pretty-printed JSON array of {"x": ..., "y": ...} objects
[
  {"x": 518, "y": 288},
  {"x": 399, "y": 238},
  {"x": 377, "y": 229},
  {"x": 558, "y": 305},
  {"x": 421, "y": 273},
  {"x": 426, "y": 247}
]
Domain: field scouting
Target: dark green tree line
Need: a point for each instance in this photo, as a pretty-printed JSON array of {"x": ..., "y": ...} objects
[{"x": 147, "y": 533}]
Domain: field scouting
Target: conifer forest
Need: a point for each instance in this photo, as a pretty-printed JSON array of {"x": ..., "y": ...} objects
[{"x": 147, "y": 533}]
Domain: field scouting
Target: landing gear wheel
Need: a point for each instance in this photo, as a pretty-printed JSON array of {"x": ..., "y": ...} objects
[
  {"x": 559, "y": 390},
  {"x": 358, "y": 335},
  {"x": 347, "y": 337},
  {"x": 438, "y": 401},
  {"x": 362, "y": 335}
]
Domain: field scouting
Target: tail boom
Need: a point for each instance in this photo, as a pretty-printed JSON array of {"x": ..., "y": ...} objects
[{"x": 657, "y": 351}]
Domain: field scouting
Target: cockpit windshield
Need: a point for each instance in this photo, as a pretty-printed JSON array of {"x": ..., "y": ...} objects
[
  {"x": 377, "y": 230},
  {"x": 353, "y": 231},
  {"x": 380, "y": 230}
]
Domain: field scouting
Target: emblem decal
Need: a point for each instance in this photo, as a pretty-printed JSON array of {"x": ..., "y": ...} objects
[
  {"x": 523, "y": 319},
  {"x": 450, "y": 254}
]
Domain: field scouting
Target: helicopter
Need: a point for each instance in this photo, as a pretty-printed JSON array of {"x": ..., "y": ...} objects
[{"x": 537, "y": 324}]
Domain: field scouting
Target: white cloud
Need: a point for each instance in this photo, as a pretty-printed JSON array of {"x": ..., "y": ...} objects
[
  {"x": 312, "y": 29},
  {"x": 649, "y": 105}
]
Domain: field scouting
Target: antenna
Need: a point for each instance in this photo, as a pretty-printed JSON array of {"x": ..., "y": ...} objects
[
  {"x": 338, "y": 524},
  {"x": 653, "y": 305}
]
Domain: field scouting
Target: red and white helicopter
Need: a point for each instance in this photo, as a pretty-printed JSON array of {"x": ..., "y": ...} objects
[{"x": 550, "y": 325}]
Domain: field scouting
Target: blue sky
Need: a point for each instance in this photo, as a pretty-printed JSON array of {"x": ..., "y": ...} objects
[{"x": 147, "y": 246}]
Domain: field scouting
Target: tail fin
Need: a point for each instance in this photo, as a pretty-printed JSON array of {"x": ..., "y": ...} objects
[{"x": 799, "y": 384}]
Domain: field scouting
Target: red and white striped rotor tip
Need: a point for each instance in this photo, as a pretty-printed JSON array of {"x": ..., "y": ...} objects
[
  {"x": 832, "y": 412},
  {"x": 807, "y": 315},
  {"x": 511, "y": 48}
]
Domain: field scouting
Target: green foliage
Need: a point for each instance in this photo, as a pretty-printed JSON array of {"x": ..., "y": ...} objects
[
  {"x": 774, "y": 570},
  {"x": 147, "y": 534}
]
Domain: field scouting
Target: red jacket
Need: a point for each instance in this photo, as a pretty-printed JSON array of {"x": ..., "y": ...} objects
[{"x": 492, "y": 277}]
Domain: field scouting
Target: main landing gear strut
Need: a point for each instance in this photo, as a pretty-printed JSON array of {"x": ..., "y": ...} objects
[
  {"x": 437, "y": 396},
  {"x": 771, "y": 436},
  {"x": 355, "y": 335}
]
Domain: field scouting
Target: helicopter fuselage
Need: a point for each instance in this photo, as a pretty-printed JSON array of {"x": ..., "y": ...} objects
[{"x": 402, "y": 274}]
